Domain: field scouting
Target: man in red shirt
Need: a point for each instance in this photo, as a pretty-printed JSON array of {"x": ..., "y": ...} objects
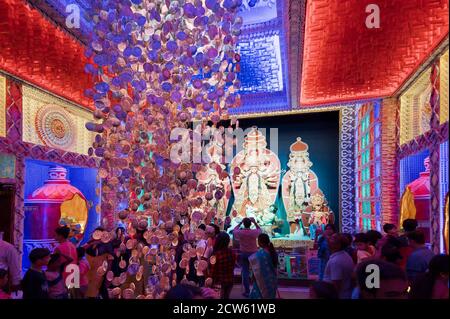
[{"x": 247, "y": 238}]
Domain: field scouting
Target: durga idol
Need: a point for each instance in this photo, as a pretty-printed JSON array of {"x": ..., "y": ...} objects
[
  {"x": 298, "y": 184},
  {"x": 255, "y": 175}
]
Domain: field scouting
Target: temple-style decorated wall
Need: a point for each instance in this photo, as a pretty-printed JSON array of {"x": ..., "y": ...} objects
[
  {"x": 21, "y": 143},
  {"x": 368, "y": 165},
  {"x": 389, "y": 161},
  {"x": 375, "y": 162},
  {"x": 264, "y": 51},
  {"x": 401, "y": 147},
  {"x": 422, "y": 148},
  {"x": 53, "y": 122}
]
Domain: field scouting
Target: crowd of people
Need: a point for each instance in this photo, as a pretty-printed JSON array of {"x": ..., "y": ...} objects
[
  {"x": 373, "y": 265},
  {"x": 100, "y": 262},
  {"x": 403, "y": 265}
]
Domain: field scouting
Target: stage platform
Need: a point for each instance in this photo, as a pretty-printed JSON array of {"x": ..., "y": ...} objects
[{"x": 296, "y": 242}]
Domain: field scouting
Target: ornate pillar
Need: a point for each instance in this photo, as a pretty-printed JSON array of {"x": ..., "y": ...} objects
[
  {"x": 296, "y": 33},
  {"x": 435, "y": 159},
  {"x": 14, "y": 137},
  {"x": 389, "y": 172},
  {"x": 347, "y": 169}
]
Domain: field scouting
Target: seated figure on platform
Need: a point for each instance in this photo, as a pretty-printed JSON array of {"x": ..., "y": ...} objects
[
  {"x": 320, "y": 213},
  {"x": 269, "y": 221},
  {"x": 298, "y": 184}
]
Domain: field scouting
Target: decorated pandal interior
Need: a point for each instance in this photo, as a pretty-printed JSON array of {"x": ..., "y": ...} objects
[{"x": 125, "y": 121}]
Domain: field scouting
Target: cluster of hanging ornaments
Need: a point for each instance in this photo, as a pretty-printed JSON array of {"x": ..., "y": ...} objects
[{"x": 158, "y": 65}]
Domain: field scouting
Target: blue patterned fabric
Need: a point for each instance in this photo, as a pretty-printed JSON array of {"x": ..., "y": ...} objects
[{"x": 265, "y": 273}]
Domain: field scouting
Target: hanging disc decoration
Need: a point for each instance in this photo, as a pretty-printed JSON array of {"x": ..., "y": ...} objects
[{"x": 159, "y": 65}]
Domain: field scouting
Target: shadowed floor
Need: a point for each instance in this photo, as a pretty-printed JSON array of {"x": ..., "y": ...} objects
[{"x": 285, "y": 292}]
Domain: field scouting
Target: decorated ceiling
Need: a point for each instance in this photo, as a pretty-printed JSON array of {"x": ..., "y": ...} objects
[
  {"x": 34, "y": 49},
  {"x": 284, "y": 65},
  {"x": 363, "y": 63}
]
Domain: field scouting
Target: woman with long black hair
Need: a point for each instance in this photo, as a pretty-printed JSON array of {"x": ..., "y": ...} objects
[{"x": 264, "y": 265}]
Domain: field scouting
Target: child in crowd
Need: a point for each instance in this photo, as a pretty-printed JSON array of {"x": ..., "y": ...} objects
[
  {"x": 323, "y": 251},
  {"x": 409, "y": 226},
  {"x": 390, "y": 230},
  {"x": 3, "y": 283},
  {"x": 350, "y": 249},
  {"x": 34, "y": 283},
  {"x": 84, "y": 269},
  {"x": 56, "y": 284},
  {"x": 364, "y": 249}
]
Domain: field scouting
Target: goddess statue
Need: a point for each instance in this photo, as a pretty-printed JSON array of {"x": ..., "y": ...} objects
[
  {"x": 255, "y": 175},
  {"x": 214, "y": 184},
  {"x": 297, "y": 185},
  {"x": 319, "y": 213}
]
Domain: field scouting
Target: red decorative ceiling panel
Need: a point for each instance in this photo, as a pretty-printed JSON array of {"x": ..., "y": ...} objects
[
  {"x": 35, "y": 50},
  {"x": 344, "y": 60}
]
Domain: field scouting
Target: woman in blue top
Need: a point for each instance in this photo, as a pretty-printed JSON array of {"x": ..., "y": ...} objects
[{"x": 264, "y": 266}]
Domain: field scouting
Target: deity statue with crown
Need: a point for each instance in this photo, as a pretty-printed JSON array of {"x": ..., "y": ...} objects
[
  {"x": 298, "y": 184},
  {"x": 214, "y": 184},
  {"x": 319, "y": 214},
  {"x": 269, "y": 221},
  {"x": 255, "y": 173}
]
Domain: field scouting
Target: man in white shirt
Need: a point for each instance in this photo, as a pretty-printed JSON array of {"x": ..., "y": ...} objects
[
  {"x": 9, "y": 260},
  {"x": 339, "y": 268}
]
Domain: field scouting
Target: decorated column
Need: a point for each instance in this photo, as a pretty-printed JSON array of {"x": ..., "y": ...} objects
[{"x": 389, "y": 174}]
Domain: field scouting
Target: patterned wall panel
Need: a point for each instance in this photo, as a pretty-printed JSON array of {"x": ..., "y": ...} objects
[
  {"x": 347, "y": 169},
  {"x": 434, "y": 159},
  {"x": 443, "y": 116},
  {"x": 13, "y": 144},
  {"x": 2, "y": 106},
  {"x": 389, "y": 171},
  {"x": 368, "y": 165},
  {"x": 261, "y": 68},
  {"x": 55, "y": 123},
  {"x": 297, "y": 18},
  {"x": 433, "y": 140},
  {"x": 443, "y": 185},
  {"x": 264, "y": 56},
  {"x": 415, "y": 109}
]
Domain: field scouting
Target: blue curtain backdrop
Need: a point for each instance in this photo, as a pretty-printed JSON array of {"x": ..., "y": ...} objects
[{"x": 321, "y": 132}]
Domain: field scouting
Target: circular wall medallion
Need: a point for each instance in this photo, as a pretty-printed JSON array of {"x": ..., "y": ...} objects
[{"x": 55, "y": 127}]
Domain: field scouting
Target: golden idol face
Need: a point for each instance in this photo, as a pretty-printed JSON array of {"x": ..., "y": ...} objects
[{"x": 317, "y": 200}]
